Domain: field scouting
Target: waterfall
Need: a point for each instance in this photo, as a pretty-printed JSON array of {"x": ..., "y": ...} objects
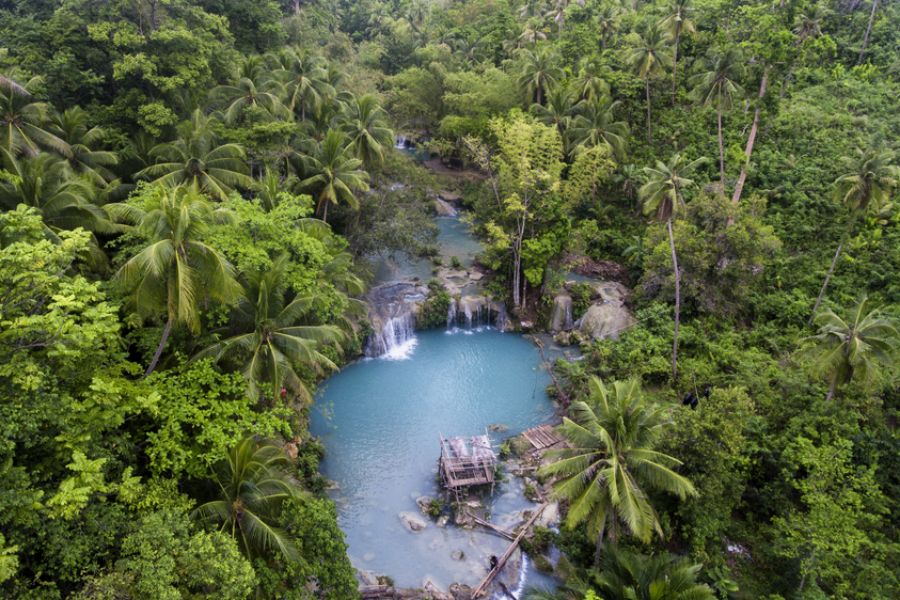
[
  {"x": 401, "y": 142},
  {"x": 392, "y": 314},
  {"x": 472, "y": 313}
]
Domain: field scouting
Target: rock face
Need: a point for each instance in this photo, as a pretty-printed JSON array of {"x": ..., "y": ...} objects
[
  {"x": 561, "y": 318},
  {"x": 602, "y": 321},
  {"x": 413, "y": 522},
  {"x": 444, "y": 208}
]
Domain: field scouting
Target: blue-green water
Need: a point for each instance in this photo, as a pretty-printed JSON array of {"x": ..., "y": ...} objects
[{"x": 380, "y": 421}]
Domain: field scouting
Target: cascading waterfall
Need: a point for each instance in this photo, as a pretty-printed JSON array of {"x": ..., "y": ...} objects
[
  {"x": 395, "y": 339},
  {"x": 392, "y": 313},
  {"x": 470, "y": 313}
]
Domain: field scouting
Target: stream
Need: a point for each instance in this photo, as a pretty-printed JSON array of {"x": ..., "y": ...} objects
[{"x": 381, "y": 419}]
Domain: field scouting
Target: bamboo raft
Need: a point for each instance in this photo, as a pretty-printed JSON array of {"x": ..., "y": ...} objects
[{"x": 543, "y": 437}]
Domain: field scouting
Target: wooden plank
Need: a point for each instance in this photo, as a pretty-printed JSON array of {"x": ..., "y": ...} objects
[{"x": 482, "y": 587}]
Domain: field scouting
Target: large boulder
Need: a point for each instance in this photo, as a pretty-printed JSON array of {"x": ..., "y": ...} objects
[{"x": 605, "y": 321}]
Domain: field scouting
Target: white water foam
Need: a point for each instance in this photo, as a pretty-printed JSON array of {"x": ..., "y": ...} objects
[{"x": 402, "y": 351}]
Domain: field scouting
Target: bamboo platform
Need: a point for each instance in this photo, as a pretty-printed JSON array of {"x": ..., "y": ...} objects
[{"x": 543, "y": 437}]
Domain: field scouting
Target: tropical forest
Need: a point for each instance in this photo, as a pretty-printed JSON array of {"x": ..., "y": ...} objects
[{"x": 450, "y": 299}]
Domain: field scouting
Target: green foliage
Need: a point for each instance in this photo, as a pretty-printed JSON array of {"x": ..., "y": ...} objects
[{"x": 433, "y": 313}]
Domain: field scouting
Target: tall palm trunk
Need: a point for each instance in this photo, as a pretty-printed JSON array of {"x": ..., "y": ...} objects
[
  {"x": 748, "y": 151},
  {"x": 677, "y": 300},
  {"x": 721, "y": 149},
  {"x": 167, "y": 330},
  {"x": 862, "y": 51},
  {"x": 830, "y": 272},
  {"x": 649, "y": 127},
  {"x": 675, "y": 68}
]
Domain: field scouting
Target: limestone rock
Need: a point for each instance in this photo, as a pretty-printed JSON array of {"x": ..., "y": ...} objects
[
  {"x": 458, "y": 555},
  {"x": 424, "y": 503},
  {"x": 607, "y": 320},
  {"x": 550, "y": 516},
  {"x": 413, "y": 522}
]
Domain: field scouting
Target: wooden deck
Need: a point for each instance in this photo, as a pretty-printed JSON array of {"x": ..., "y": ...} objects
[{"x": 543, "y": 437}]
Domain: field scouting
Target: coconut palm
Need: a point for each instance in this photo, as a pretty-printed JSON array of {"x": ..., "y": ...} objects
[
  {"x": 809, "y": 24},
  {"x": 717, "y": 85},
  {"x": 304, "y": 79},
  {"x": 607, "y": 23},
  {"x": 648, "y": 57},
  {"x": 253, "y": 485},
  {"x": 863, "y": 345},
  {"x": 557, "y": 12},
  {"x": 596, "y": 124},
  {"x": 588, "y": 84},
  {"x": 531, "y": 34},
  {"x": 540, "y": 71},
  {"x": 48, "y": 184},
  {"x": 175, "y": 271},
  {"x": 628, "y": 575},
  {"x": 72, "y": 127},
  {"x": 366, "y": 124},
  {"x": 195, "y": 159},
  {"x": 559, "y": 108},
  {"x": 871, "y": 177},
  {"x": 611, "y": 463},
  {"x": 245, "y": 93},
  {"x": 24, "y": 120},
  {"x": 677, "y": 23},
  {"x": 270, "y": 338},
  {"x": 662, "y": 197},
  {"x": 333, "y": 174}
]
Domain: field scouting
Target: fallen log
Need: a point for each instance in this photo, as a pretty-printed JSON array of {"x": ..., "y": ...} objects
[
  {"x": 492, "y": 527},
  {"x": 482, "y": 587}
]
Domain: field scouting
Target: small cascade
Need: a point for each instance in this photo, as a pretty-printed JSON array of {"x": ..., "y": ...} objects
[
  {"x": 401, "y": 143},
  {"x": 561, "y": 318},
  {"x": 469, "y": 313}
]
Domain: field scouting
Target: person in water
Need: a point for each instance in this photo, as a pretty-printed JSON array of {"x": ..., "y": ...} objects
[{"x": 493, "y": 562}]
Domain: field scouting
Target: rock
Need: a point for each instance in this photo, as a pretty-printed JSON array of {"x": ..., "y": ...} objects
[
  {"x": 561, "y": 317},
  {"x": 611, "y": 292},
  {"x": 425, "y": 503},
  {"x": 442, "y": 521},
  {"x": 475, "y": 275},
  {"x": 433, "y": 592},
  {"x": 602, "y": 321},
  {"x": 460, "y": 591},
  {"x": 526, "y": 325},
  {"x": 550, "y": 516},
  {"x": 367, "y": 577},
  {"x": 448, "y": 196},
  {"x": 458, "y": 555},
  {"x": 444, "y": 208},
  {"x": 463, "y": 519},
  {"x": 413, "y": 522},
  {"x": 497, "y": 427}
]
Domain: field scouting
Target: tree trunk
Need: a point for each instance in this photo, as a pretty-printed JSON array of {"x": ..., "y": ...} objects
[
  {"x": 862, "y": 51},
  {"x": 827, "y": 279},
  {"x": 721, "y": 149},
  {"x": 832, "y": 388},
  {"x": 675, "y": 69},
  {"x": 517, "y": 264},
  {"x": 748, "y": 151},
  {"x": 649, "y": 127},
  {"x": 162, "y": 344},
  {"x": 296, "y": 6},
  {"x": 677, "y": 301}
]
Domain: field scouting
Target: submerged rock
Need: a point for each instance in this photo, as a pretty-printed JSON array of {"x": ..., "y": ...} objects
[
  {"x": 458, "y": 555},
  {"x": 460, "y": 591},
  {"x": 412, "y": 522}
]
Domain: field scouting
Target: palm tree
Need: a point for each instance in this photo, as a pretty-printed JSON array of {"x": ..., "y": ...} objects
[
  {"x": 716, "y": 85},
  {"x": 627, "y": 575},
  {"x": 366, "y": 126},
  {"x": 557, "y": 12},
  {"x": 269, "y": 340},
  {"x": 647, "y": 58},
  {"x": 861, "y": 346},
  {"x": 809, "y": 24},
  {"x": 662, "y": 196},
  {"x": 677, "y": 23},
  {"x": 176, "y": 270},
  {"x": 607, "y": 24},
  {"x": 334, "y": 175},
  {"x": 72, "y": 127},
  {"x": 23, "y": 121},
  {"x": 194, "y": 159},
  {"x": 253, "y": 486},
  {"x": 558, "y": 110},
  {"x": 588, "y": 84},
  {"x": 47, "y": 183},
  {"x": 540, "y": 71},
  {"x": 611, "y": 463},
  {"x": 867, "y": 186},
  {"x": 247, "y": 93},
  {"x": 304, "y": 79},
  {"x": 531, "y": 34},
  {"x": 596, "y": 124}
]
